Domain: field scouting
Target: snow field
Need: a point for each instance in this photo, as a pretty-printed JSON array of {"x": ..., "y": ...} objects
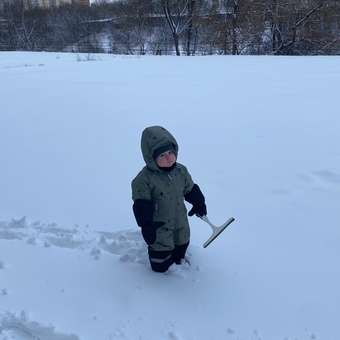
[{"x": 260, "y": 136}]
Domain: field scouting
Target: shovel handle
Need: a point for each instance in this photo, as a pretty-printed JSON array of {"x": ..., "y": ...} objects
[
  {"x": 214, "y": 227},
  {"x": 206, "y": 220}
]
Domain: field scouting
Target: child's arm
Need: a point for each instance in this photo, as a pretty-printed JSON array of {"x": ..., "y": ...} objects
[
  {"x": 143, "y": 209},
  {"x": 194, "y": 195},
  {"x": 141, "y": 195},
  {"x": 196, "y": 198}
]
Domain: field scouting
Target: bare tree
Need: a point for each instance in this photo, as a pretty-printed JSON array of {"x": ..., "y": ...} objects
[
  {"x": 135, "y": 18},
  {"x": 286, "y": 20},
  {"x": 288, "y": 43},
  {"x": 195, "y": 26},
  {"x": 179, "y": 15},
  {"x": 191, "y": 11},
  {"x": 20, "y": 27}
]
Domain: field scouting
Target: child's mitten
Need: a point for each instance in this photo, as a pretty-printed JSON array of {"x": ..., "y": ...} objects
[
  {"x": 149, "y": 232},
  {"x": 196, "y": 198}
]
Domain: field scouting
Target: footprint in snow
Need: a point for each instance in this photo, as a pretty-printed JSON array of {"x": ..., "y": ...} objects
[
  {"x": 3, "y": 292},
  {"x": 305, "y": 178},
  {"x": 230, "y": 331},
  {"x": 320, "y": 179},
  {"x": 20, "y": 328},
  {"x": 174, "y": 336},
  {"x": 183, "y": 270},
  {"x": 280, "y": 192},
  {"x": 127, "y": 244},
  {"x": 328, "y": 176}
]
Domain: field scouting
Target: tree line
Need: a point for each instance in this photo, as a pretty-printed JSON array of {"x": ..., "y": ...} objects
[{"x": 180, "y": 27}]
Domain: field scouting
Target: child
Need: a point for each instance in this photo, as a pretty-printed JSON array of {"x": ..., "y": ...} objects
[{"x": 158, "y": 192}]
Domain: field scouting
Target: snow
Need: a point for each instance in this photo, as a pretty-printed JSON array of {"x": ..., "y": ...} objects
[{"x": 260, "y": 135}]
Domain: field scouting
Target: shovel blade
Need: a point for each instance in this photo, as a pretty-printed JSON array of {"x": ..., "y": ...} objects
[{"x": 218, "y": 231}]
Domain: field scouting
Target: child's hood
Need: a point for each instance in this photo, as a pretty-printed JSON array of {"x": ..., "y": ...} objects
[{"x": 154, "y": 137}]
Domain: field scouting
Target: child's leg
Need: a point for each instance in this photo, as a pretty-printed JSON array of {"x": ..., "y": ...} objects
[
  {"x": 160, "y": 260},
  {"x": 182, "y": 239},
  {"x": 179, "y": 252}
]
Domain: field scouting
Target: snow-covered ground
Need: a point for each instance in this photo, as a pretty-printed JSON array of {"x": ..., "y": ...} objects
[{"x": 261, "y": 137}]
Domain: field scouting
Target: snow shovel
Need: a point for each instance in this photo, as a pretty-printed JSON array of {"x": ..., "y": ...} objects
[{"x": 216, "y": 230}]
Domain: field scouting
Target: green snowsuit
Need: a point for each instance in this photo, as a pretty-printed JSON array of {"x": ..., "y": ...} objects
[{"x": 165, "y": 190}]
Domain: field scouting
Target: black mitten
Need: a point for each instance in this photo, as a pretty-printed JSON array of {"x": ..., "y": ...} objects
[
  {"x": 200, "y": 210},
  {"x": 143, "y": 210},
  {"x": 149, "y": 232},
  {"x": 196, "y": 198}
]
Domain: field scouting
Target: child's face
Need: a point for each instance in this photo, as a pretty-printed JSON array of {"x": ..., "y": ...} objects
[{"x": 166, "y": 159}]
